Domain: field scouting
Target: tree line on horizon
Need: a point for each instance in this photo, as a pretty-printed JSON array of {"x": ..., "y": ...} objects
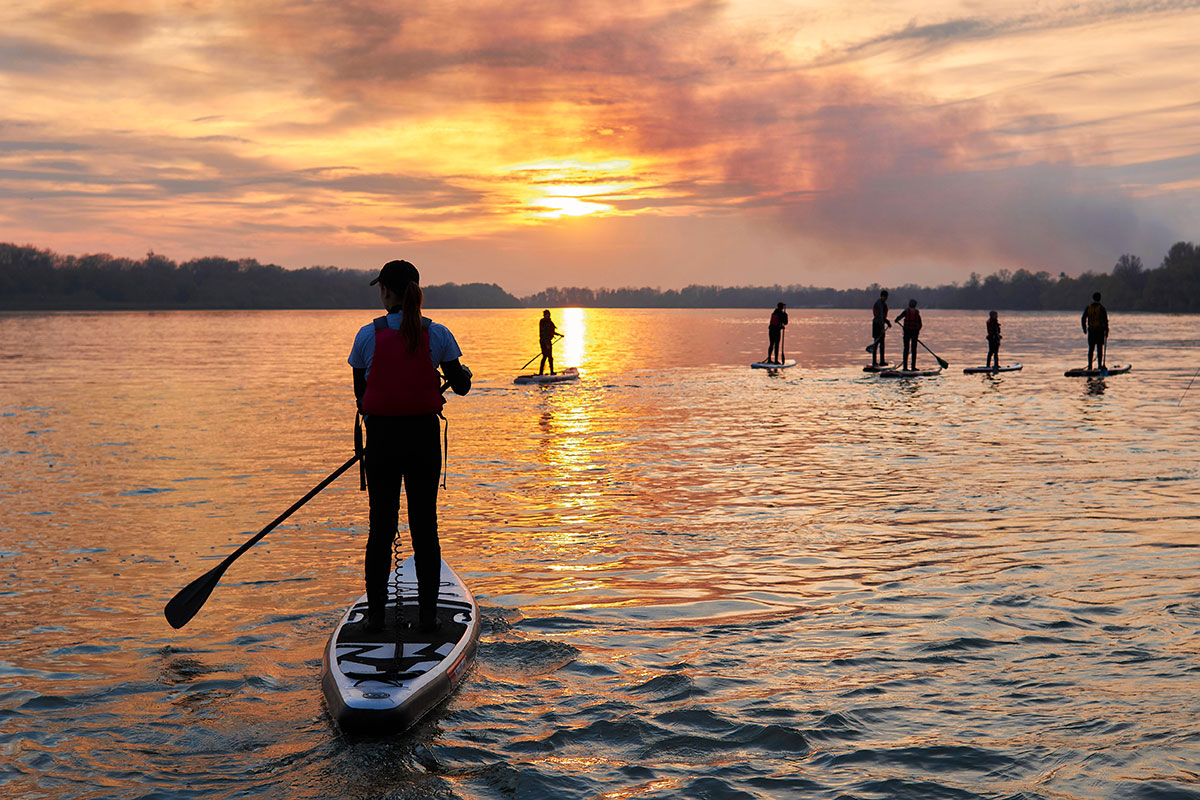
[{"x": 35, "y": 279}]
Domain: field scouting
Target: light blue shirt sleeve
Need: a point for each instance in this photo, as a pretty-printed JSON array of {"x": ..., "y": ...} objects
[
  {"x": 364, "y": 347},
  {"x": 442, "y": 345}
]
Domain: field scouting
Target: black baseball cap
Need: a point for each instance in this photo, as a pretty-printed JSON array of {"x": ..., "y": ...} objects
[{"x": 396, "y": 274}]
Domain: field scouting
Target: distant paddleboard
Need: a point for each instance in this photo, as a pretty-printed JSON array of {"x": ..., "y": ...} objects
[
  {"x": 773, "y": 364},
  {"x": 878, "y": 367},
  {"x": 568, "y": 374},
  {"x": 976, "y": 370},
  {"x": 383, "y": 682},
  {"x": 1098, "y": 373},
  {"x": 910, "y": 373}
]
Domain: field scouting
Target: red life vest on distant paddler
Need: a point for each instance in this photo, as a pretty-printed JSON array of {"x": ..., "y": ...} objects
[
  {"x": 401, "y": 382},
  {"x": 912, "y": 320}
]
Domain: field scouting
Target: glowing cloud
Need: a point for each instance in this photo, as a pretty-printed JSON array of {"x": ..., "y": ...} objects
[{"x": 922, "y": 140}]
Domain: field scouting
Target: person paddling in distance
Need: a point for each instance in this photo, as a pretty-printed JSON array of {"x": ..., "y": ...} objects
[
  {"x": 879, "y": 325},
  {"x": 779, "y": 321},
  {"x": 546, "y": 333},
  {"x": 993, "y": 340},
  {"x": 910, "y": 319},
  {"x": 395, "y": 360},
  {"x": 1095, "y": 325}
]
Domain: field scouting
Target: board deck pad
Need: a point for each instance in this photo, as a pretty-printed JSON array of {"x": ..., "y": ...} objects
[
  {"x": 910, "y": 373},
  {"x": 1007, "y": 368},
  {"x": 791, "y": 362},
  {"x": 568, "y": 374},
  {"x": 1083, "y": 372},
  {"x": 384, "y": 681}
]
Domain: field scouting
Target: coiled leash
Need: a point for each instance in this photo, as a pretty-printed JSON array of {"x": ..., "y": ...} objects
[{"x": 397, "y": 555}]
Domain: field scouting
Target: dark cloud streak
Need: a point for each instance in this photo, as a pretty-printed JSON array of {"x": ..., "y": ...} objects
[{"x": 960, "y": 30}]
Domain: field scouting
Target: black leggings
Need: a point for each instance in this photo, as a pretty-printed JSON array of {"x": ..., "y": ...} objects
[
  {"x": 403, "y": 450},
  {"x": 910, "y": 345}
]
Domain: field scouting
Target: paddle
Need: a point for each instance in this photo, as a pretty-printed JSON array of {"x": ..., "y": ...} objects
[
  {"x": 191, "y": 598},
  {"x": 871, "y": 347},
  {"x": 943, "y": 363},
  {"x": 184, "y": 605},
  {"x": 554, "y": 339},
  {"x": 1189, "y": 386},
  {"x": 782, "y": 352}
]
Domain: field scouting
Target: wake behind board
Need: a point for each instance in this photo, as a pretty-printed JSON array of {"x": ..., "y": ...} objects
[
  {"x": 383, "y": 682},
  {"x": 978, "y": 370},
  {"x": 791, "y": 362},
  {"x": 1097, "y": 373},
  {"x": 878, "y": 367},
  {"x": 910, "y": 373},
  {"x": 568, "y": 374}
]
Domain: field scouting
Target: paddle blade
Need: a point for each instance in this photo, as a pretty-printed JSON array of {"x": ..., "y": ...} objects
[
  {"x": 191, "y": 598},
  {"x": 943, "y": 363},
  {"x": 871, "y": 347}
]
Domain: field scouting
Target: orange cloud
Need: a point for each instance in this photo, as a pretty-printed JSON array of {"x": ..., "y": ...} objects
[{"x": 914, "y": 137}]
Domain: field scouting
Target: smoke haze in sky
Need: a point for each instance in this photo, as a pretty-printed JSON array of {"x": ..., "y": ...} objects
[{"x": 606, "y": 143}]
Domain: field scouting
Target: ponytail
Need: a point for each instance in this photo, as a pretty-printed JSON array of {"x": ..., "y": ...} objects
[{"x": 410, "y": 321}]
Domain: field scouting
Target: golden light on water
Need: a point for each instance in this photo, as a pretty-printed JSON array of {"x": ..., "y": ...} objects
[{"x": 574, "y": 330}]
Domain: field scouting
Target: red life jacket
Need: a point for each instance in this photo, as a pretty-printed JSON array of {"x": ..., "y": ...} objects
[
  {"x": 776, "y": 319},
  {"x": 401, "y": 382},
  {"x": 912, "y": 320}
]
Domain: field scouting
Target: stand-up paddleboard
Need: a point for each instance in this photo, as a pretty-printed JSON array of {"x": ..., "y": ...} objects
[
  {"x": 568, "y": 374},
  {"x": 878, "y": 367},
  {"x": 910, "y": 373},
  {"x": 791, "y": 362},
  {"x": 383, "y": 682},
  {"x": 977, "y": 370},
  {"x": 1098, "y": 373}
]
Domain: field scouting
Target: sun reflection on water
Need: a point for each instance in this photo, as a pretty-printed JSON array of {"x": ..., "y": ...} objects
[{"x": 574, "y": 327}]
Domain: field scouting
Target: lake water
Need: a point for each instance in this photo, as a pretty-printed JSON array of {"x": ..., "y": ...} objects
[{"x": 698, "y": 580}]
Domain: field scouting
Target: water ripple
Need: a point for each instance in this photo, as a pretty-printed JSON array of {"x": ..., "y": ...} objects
[{"x": 697, "y": 583}]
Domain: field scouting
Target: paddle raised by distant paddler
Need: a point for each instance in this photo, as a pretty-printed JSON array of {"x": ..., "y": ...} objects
[{"x": 778, "y": 321}]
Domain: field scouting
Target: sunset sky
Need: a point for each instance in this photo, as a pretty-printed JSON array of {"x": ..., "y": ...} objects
[{"x": 604, "y": 142}]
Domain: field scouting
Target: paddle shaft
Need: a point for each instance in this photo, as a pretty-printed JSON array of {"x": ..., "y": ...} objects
[
  {"x": 557, "y": 336},
  {"x": 871, "y": 347},
  {"x": 191, "y": 598},
  {"x": 943, "y": 363},
  {"x": 1185, "y": 391}
]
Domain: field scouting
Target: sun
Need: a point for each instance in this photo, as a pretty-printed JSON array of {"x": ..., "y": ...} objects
[
  {"x": 556, "y": 206},
  {"x": 572, "y": 187}
]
